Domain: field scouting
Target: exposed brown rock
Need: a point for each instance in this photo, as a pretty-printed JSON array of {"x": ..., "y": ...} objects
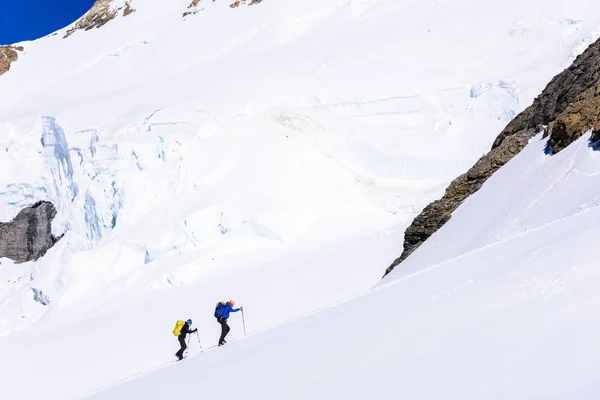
[
  {"x": 100, "y": 13},
  {"x": 576, "y": 120},
  {"x": 8, "y": 55},
  {"x": 128, "y": 10},
  {"x": 235, "y": 4},
  {"x": 28, "y": 236},
  {"x": 569, "y": 106},
  {"x": 241, "y": 2},
  {"x": 192, "y": 6}
]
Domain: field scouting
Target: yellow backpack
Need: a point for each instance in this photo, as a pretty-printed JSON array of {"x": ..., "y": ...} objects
[{"x": 178, "y": 326}]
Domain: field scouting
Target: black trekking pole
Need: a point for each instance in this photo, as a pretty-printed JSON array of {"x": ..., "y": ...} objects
[
  {"x": 244, "y": 322},
  {"x": 200, "y": 344}
]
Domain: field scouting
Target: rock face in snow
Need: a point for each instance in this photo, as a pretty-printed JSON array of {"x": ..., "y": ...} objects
[
  {"x": 569, "y": 106},
  {"x": 101, "y": 12},
  {"x": 8, "y": 55},
  {"x": 577, "y": 119},
  {"x": 582, "y": 82},
  {"x": 128, "y": 9},
  {"x": 29, "y": 235},
  {"x": 193, "y": 7},
  {"x": 241, "y": 2}
]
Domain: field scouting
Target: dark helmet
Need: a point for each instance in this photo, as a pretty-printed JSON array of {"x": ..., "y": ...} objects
[{"x": 189, "y": 322}]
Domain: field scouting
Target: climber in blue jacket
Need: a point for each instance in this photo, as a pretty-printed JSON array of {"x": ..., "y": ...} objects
[{"x": 222, "y": 314}]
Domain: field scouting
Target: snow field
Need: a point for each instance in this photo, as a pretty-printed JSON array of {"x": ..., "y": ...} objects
[
  {"x": 511, "y": 318},
  {"x": 272, "y": 154}
]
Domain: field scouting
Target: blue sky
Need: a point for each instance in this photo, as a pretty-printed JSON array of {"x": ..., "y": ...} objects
[{"x": 31, "y": 19}]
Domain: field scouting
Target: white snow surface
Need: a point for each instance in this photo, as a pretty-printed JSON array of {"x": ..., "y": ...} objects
[
  {"x": 274, "y": 154},
  {"x": 500, "y": 304}
]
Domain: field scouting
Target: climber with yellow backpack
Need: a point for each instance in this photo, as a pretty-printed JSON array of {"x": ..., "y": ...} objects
[{"x": 181, "y": 330}]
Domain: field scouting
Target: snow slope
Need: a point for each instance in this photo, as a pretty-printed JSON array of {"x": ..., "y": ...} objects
[
  {"x": 236, "y": 135},
  {"x": 506, "y": 308},
  {"x": 272, "y": 154}
]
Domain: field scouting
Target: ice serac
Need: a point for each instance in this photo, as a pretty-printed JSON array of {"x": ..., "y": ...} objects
[
  {"x": 568, "y": 107},
  {"x": 58, "y": 159},
  {"x": 77, "y": 179},
  {"x": 29, "y": 235}
]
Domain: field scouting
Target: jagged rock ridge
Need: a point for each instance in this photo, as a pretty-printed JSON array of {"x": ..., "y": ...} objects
[
  {"x": 568, "y": 107},
  {"x": 8, "y": 55},
  {"x": 101, "y": 12},
  {"x": 29, "y": 235}
]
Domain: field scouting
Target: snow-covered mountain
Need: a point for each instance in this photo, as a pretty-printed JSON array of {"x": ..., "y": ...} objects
[
  {"x": 509, "y": 318},
  {"x": 274, "y": 152},
  {"x": 565, "y": 110}
]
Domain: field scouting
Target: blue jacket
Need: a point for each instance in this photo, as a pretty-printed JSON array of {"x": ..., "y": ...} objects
[{"x": 228, "y": 309}]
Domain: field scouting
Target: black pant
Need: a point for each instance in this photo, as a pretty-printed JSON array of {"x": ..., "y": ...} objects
[
  {"x": 224, "y": 330},
  {"x": 183, "y": 346}
]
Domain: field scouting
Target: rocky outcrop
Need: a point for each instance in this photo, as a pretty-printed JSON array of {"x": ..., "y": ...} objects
[
  {"x": 568, "y": 107},
  {"x": 580, "y": 117},
  {"x": 192, "y": 8},
  {"x": 242, "y": 2},
  {"x": 29, "y": 235},
  {"x": 576, "y": 120},
  {"x": 127, "y": 9},
  {"x": 101, "y": 12},
  {"x": 8, "y": 55}
]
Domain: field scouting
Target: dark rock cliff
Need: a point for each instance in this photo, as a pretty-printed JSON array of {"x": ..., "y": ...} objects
[
  {"x": 29, "y": 235},
  {"x": 568, "y": 107}
]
